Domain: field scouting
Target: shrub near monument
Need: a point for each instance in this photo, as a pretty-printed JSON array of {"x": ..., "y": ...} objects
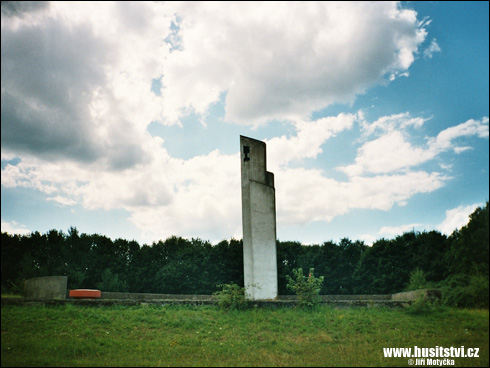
[{"x": 306, "y": 288}]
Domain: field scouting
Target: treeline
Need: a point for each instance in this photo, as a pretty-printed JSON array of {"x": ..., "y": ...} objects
[{"x": 459, "y": 264}]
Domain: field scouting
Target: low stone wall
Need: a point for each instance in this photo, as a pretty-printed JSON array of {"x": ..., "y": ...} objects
[
  {"x": 150, "y": 296},
  {"x": 429, "y": 294},
  {"x": 328, "y": 298},
  {"x": 426, "y": 294},
  {"x": 52, "y": 289},
  {"x": 48, "y": 287}
]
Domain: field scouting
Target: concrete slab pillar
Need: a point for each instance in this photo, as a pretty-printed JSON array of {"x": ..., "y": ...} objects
[
  {"x": 258, "y": 221},
  {"x": 47, "y": 287}
]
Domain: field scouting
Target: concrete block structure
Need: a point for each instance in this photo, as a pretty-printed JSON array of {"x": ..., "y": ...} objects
[
  {"x": 258, "y": 221},
  {"x": 47, "y": 287}
]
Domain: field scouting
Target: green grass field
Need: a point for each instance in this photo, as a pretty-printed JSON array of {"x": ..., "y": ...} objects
[{"x": 207, "y": 336}]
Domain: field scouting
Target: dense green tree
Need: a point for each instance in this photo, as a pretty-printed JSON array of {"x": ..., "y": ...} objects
[
  {"x": 331, "y": 255},
  {"x": 469, "y": 251},
  {"x": 142, "y": 270},
  {"x": 348, "y": 258},
  {"x": 112, "y": 282},
  {"x": 428, "y": 255},
  {"x": 78, "y": 261},
  {"x": 287, "y": 254},
  {"x": 225, "y": 264},
  {"x": 369, "y": 272},
  {"x": 11, "y": 254},
  {"x": 468, "y": 262}
]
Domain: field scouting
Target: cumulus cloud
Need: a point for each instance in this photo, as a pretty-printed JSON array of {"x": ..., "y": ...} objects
[
  {"x": 72, "y": 88},
  {"x": 163, "y": 196},
  {"x": 284, "y": 60},
  {"x": 76, "y": 79},
  {"x": 457, "y": 218},
  {"x": 308, "y": 195},
  {"x": 308, "y": 141},
  {"x": 445, "y": 139},
  {"x": 47, "y": 83},
  {"x": 12, "y": 227},
  {"x": 391, "y": 150}
]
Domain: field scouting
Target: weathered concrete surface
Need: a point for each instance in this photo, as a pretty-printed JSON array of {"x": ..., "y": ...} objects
[
  {"x": 427, "y": 294},
  {"x": 102, "y": 302},
  {"x": 337, "y": 301},
  {"x": 329, "y": 298},
  {"x": 196, "y": 301},
  {"x": 152, "y": 296},
  {"x": 258, "y": 222},
  {"x": 48, "y": 287}
]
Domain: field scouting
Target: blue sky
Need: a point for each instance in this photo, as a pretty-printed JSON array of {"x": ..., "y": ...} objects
[{"x": 123, "y": 118}]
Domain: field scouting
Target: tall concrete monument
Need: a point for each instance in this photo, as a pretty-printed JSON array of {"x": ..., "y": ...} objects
[{"x": 258, "y": 221}]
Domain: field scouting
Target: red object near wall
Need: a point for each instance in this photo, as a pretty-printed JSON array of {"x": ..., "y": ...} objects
[{"x": 84, "y": 293}]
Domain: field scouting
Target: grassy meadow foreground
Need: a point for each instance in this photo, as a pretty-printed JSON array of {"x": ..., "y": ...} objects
[{"x": 169, "y": 335}]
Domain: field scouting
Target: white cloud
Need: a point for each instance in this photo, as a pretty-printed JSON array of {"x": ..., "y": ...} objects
[
  {"x": 397, "y": 230},
  {"x": 368, "y": 239},
  {"x": 203, "y": 199},
  {"x": 392, "y": 151},
  {"x": 76, "y": 81},
  {"x": 310, "y": 136},
  {"x": 444, "y": 139},
  {"x": 389, "y": 153},
  {"x": 76, "y": 77},
  {"x": 25, "y": 176},
  {"x": 431, "y": 49},
  {"x": 284, "y": 60},
  {"x": 307, "y": 195},
  {"x": 12, "y": 227},
  {"x": 457, "y": 218},
  {"x": 62, "y": 200},
  {"x": 164, "y": 196},
  {"x": 390, "y": 123}
]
